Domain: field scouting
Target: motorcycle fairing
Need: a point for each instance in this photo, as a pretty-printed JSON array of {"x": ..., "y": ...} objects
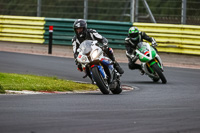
[
  {"x": 107, "y": 62},
  {"x": 145, "y": 52}
]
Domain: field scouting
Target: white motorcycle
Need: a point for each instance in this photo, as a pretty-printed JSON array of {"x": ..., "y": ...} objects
[{"x": 100, "y": 67}]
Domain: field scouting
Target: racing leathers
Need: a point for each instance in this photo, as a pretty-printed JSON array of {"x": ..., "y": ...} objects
[{"x": 92, "y": 34}]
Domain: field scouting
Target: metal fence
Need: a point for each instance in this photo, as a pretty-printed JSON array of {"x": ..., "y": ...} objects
[{"x": 159, "y": 11}]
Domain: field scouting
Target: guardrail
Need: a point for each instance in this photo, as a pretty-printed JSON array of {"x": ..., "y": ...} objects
[
  {"x": 173, "y": 38},
  {"x": 22, "y": 29},
  {"x": 63, "y": 33},
  {"x": 170, "y": 37}
]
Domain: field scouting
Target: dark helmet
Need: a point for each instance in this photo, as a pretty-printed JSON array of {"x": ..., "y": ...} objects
[
  {"x": 80, "y": 23},
  {"x": 133, "y": 33}
]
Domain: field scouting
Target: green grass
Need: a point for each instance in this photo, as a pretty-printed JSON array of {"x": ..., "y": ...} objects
[
  {"x": 18, "y": 82},
  {"x": 2, "y": 89}
]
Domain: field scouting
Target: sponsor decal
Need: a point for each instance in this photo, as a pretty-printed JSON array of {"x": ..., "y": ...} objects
[{"x": 146, "y": 53}]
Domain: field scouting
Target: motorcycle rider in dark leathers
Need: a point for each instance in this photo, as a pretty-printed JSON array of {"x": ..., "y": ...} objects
[
  {"x": 82, "y": 34},
  {"x": 134, "y": 37}
]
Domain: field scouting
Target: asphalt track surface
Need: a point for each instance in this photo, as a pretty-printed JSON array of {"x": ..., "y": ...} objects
[{"x": 150, "y": 108}]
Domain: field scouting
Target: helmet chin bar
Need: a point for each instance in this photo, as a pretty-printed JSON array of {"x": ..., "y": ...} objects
[{"x": 81, "y": 34}]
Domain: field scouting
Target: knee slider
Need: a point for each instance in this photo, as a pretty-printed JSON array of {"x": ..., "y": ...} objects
[{"x": 110, "y": 50}]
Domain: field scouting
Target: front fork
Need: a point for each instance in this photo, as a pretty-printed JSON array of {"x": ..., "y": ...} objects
[
  {"x": 155, "y": 60},
  {"x": 101, "y": 71}
]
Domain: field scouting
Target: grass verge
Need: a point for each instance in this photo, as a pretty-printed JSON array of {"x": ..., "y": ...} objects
[
  {"x": 19, "y": 82},
  {"x": 1, "y": 89}
]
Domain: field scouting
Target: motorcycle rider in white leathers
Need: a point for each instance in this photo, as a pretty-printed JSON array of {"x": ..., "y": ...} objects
[{"x": 82, "y": 34}]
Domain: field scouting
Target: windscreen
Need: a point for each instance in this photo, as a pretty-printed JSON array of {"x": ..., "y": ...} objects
[{"x": 86, "y": 46}]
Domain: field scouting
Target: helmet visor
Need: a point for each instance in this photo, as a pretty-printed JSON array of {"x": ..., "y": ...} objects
[
  {"x": 79, "y": 30},
  {"x": 134, "y": 35}
]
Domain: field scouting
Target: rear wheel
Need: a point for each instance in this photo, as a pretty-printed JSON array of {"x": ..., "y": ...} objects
[
  {"x": 118, "y": 89},
  {"x": 100, "y": 81},
  {"x": 157, "y": 69}
]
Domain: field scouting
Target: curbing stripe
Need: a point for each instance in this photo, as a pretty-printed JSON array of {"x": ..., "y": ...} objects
[{"x": 125, "y": 88}]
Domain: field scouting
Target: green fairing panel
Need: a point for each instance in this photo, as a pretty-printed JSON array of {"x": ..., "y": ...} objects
[
  {"x": 153, "y": 52},
  {"x": 143, "y": 59},
  {"x": 143, "y": 49}
]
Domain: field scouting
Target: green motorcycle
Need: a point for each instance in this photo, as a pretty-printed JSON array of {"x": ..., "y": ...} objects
[{"x": 151, "y": 62}]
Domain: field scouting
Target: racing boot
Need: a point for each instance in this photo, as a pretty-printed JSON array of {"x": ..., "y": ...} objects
[
  {"x": 118, "y": 68},
  {"x": 134, "y": 66},
  {"x": 140, "y": 69},
  {"x": 142, "y": 72},
  {"x": 116, "y": 65}
]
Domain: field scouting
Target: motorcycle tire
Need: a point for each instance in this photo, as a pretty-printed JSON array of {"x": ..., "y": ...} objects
[
  {"x": 157, "y": 69},
  {"x": 100, "y": 82}
]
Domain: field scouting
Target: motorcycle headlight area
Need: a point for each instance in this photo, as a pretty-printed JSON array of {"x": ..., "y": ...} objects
[
  {"x": 94, "y": 54},
  {"x": 84, "y": 58}
]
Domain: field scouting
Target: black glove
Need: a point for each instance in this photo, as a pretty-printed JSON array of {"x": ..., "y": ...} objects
[
  {"x": 105, "y": 47},
  {"x": 154, "y": 44}
]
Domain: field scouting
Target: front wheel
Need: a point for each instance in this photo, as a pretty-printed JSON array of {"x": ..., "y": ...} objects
[
  {"x": 157, "y": 69},
  {"x": 100, "y": 82}
]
